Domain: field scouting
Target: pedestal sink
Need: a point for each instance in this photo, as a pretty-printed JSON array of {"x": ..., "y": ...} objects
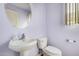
[{"x": 24, "y": 46}]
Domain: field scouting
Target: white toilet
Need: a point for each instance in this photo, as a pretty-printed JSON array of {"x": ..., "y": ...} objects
[{"x": 48, "y": 50}]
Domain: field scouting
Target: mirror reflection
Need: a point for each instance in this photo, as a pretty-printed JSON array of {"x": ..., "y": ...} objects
[{"x": 19, "y": 14}]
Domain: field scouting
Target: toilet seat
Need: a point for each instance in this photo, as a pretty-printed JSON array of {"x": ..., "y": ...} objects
[{"x": 52, "y": 51}]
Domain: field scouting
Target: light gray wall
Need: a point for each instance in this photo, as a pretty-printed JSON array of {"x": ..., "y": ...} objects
[
  {"x": 37, "y": 27},
  {"x": 58, "y": 32}
]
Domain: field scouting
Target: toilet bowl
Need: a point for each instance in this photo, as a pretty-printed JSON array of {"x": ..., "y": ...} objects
[{"x": 51, "y": 51}]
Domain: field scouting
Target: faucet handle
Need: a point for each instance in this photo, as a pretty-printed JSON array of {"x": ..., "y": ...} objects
[{"x": 22, "y": 37}]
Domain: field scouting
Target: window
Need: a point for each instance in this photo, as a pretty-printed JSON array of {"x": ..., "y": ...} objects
[{"x": 71, "y": 13}]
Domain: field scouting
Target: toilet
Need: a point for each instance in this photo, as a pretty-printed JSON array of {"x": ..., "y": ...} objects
[{"x": 48, "y": 50}]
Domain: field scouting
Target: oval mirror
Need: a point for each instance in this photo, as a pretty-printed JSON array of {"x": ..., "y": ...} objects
[{"x": 19, "y": 14}]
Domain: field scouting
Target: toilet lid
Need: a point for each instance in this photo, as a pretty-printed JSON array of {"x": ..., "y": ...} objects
[{"x": 50, "y": 50}]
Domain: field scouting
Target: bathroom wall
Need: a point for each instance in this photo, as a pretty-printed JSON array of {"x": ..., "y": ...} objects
[
  {"x": 36, "y": 28},
  {"x": 58, "y": 32}
]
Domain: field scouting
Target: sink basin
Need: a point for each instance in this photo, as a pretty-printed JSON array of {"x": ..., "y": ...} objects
[{"x": 21, "y": 45}]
